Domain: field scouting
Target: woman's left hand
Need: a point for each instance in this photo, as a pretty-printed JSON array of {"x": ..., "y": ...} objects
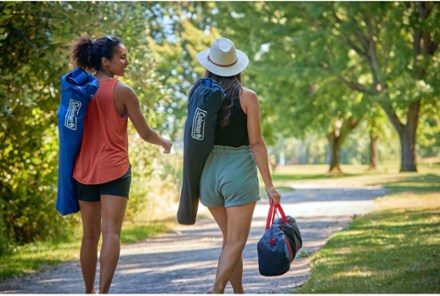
[{"x": 273, "y": 195}]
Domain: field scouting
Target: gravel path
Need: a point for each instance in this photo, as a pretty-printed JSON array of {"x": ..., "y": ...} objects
[{"x": 184, "y": 261}]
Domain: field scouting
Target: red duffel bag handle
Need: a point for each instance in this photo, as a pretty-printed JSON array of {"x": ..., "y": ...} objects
[{"x": 271, "y": 215}]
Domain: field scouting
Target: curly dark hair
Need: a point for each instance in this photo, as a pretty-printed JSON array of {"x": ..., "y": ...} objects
[{"x": 87, "y": 54}]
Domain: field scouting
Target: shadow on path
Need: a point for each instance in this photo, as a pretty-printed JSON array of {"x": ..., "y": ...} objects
[{"x": 184, "y": 261}]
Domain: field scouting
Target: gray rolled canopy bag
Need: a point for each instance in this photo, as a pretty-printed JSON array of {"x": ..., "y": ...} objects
[{"x": 205, "y": 99}]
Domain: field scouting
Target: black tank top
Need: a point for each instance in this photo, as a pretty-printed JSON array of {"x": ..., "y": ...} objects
[{"x": 235, "y": 134}]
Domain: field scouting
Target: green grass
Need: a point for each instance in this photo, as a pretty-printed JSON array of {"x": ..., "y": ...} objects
[
  {"x": 136, "y": 233},
  {"x": 420, "y": 183},
  {"x": 294, "y": 173},
  {"x": 388, "y": 251},
  {"x": 393, "y": 249},
  {"x": 38, "y": 256},
  {"x": 294, "y": 177}
]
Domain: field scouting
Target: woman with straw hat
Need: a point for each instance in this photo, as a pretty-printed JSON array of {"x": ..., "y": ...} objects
[{"x": 229, "y": 181}]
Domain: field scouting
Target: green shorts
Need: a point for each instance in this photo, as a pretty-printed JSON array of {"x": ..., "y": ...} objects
[
  {"x": 93, "y": 192},
  {"x": 229, "y": 178}
]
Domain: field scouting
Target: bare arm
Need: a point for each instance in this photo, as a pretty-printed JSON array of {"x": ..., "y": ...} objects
[
  {"x": 256, "y": 141},
  {"x": 129, "y": 100}
]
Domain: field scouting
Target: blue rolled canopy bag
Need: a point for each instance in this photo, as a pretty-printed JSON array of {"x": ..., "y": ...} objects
[
  {"x": 205, "y": 99},
  {"x": 77, "y": 89}
]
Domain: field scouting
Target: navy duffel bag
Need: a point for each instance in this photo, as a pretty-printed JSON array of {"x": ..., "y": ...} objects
[{"x": 276, "y": 249}]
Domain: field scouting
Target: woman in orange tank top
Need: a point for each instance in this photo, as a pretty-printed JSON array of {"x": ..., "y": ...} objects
[{"x": 102, "y": 168}]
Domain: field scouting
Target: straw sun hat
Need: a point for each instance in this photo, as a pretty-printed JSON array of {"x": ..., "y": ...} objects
[{"x": 223, "y": 58}]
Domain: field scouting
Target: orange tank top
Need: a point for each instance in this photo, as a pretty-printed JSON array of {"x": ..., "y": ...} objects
[{"x": 103, "y": 156}]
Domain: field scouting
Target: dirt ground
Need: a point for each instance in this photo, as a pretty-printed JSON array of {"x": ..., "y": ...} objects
[{"x": 184, "y": 261}]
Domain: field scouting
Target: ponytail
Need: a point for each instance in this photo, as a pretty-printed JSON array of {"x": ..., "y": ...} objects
[{"x": 81, "y": 53}]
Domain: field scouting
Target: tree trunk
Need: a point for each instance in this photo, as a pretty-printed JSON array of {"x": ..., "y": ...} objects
[
  {"x": 334, "y": 142},
  {"x": 408, "y": 156},
  {"x": 374, "y": 155},
  {"x": 408, "y": 139},
  {"x": 336, "y": 137},
  {"x": 373, "y": 152},
  {"x": 407, "y": 135}
]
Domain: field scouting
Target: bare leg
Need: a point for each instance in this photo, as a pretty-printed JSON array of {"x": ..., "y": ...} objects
[
  {"x": 238, "y": 223},
  {"x": 219, "y": 215},
  {"x": 91, "y": 222},
  {"x": 113, "y": 210},
  {"x": 236, "y": 278}
]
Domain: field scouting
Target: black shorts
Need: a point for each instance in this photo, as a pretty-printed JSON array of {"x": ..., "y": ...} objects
[{"x": 93, "y": 192}]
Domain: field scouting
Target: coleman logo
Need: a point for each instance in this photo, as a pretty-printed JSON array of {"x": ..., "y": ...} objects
[
  {"x": 70, "y": 120},
  {"x": 198, "y": 128}
]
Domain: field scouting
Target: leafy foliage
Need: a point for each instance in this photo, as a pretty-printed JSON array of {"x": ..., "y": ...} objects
[
  {"x": 35, "y": 38},
  {"x": 31, "y": 64}
]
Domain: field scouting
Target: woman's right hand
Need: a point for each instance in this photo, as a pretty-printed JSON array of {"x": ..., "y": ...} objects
[{"x": 273, "y": 195}]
